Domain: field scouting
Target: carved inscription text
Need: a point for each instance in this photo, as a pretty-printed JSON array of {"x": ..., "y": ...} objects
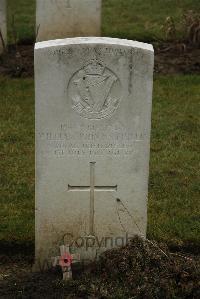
[{"x": 90, "y": 140}]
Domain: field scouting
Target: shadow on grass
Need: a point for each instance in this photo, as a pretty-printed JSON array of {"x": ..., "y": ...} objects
[{"x": 16, "y": 248}]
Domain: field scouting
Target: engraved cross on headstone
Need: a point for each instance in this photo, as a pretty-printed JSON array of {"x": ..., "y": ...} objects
[{"x": 92, "y": 188}]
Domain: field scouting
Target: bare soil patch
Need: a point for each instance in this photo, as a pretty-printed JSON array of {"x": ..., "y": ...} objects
[
  {"x": 169, "y": 59},
  {"x": 177, "y": 59},
  {"x": 18, "y": 62},
  {"x": 141, "y": 269}
]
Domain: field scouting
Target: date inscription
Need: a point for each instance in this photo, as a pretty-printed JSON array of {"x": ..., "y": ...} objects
[{"x": 71, "y": 140}]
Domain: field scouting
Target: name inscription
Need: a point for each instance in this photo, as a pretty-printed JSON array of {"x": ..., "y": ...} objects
[{"x": 72, "y": 140}]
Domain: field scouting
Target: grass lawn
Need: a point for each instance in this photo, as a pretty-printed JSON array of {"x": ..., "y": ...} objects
[
  {"x": 174, "y": 210},
  {"x": 21, "y": 20},
  {"x": 133, "y": 19},
  {"x": 17, "y": 159}
]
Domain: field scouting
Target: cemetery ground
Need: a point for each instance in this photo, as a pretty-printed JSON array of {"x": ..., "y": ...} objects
[
  {"x": 168, "y": 268},
  {"x": 163, "y": 24},
  {"x": 173, "y": 209}
]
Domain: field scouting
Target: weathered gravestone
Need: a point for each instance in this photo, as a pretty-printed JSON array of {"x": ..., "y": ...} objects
[
  {"x": 3, "y": 25},
  {"x": 67, "y": 18},
  {"x": 93, "y": 119}
]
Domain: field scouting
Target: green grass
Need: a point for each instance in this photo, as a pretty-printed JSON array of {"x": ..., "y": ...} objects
[
  {"x": 142, "y": 19},
  {"x": 133, "y": 19},
  {"x": 16, "y": 159},
  {"x": 174, "y": 210},
  {"x": 21, "y": 20},
  {"x": 174, "y": 207}
]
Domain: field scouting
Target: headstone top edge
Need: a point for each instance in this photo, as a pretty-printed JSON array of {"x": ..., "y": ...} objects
[{"x": 93, "y": 40}]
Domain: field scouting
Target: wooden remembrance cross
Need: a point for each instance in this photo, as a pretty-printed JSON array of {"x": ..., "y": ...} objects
[{"x": 92, "y": 188}]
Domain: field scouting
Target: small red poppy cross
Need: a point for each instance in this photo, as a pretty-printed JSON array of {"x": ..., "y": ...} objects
[{"x": 65, "y": 260}]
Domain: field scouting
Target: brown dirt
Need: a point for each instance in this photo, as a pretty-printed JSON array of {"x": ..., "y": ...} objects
[
  {"x": 18, "y": 62},
  {"x": 141, "y": 269},
  {"x": 169, "y": 59},
  {"x": 177, "y": 59}
]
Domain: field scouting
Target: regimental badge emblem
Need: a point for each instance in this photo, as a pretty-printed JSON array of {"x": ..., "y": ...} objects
[{"x": 95, "y": 91}]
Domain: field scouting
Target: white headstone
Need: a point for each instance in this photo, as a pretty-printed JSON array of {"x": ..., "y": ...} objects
[
  {"x": 3, "y": 24},
  {"x": 93, "y": 119},
  {"x": 67, "y": 18}
]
